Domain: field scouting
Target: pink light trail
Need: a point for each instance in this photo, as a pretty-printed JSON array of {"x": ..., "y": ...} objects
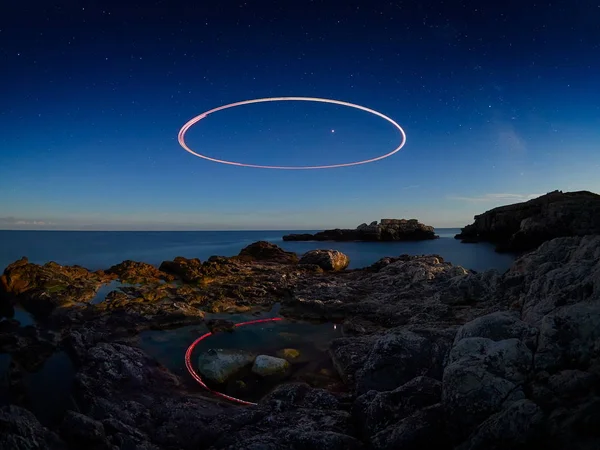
[
  {"x": 193, "y": 121},
  {"x": 198, "y": 378}
]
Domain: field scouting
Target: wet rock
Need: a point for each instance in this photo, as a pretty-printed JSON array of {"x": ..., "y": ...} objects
[
  {"x": 289, "y": 354},
  {"x": 80, "y": 431},
  {"x": 330, "y": 260},
  {"x": 375, "y": 411},
  {"x": 520, "y": 426},
  {"x": 188, "y": 270},
  {"x": 220, "y": 325},
  {"x": 265, "y": 251},
  {"x": 42, "y": 289},
  {"x": 138, "y": 272},
  {"x": 20, "y": 430},
  {"x": 220, "y": 365},
  {"x": 266, "y": 366}
]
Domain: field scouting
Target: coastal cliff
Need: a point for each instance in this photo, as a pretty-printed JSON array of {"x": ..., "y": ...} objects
[
  {"x": 386, "y": 230},
  {"x": 524, "y": 226}
]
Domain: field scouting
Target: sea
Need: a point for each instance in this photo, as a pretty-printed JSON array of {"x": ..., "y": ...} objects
[{"x": 102, "y": 249}]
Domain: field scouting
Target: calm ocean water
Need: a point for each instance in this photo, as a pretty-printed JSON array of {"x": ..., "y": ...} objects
[{"x": 101, "y": 249}]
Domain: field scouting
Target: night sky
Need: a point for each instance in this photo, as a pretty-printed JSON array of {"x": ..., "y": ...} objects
[{"x": 500, "y": 101}]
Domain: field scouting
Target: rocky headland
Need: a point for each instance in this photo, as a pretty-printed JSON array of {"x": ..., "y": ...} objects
[
  {"x": 431, "y": 355},
  {"x": 385, "y": 230},
  {"x": 524, "y": 226}
]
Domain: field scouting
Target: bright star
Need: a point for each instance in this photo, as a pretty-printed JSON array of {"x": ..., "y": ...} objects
[{"x": 333, "y": 131}]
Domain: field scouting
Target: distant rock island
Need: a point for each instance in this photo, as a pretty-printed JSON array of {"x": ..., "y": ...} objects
[
  {"x": 386, "y": 230},
  {"x": 524, "y": 226}
]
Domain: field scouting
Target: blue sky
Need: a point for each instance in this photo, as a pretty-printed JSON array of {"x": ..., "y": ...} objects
[{"x": 95, "y": 98}]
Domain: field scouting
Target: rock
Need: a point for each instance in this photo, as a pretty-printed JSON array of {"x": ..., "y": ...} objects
[
  {"x": 300, "y": 395},
  {"x": 42, "y": 289},
  {"x": 135, "y": 272},
  {"x": 423, "y": 429},
  {"x": 220, "y": 325},
  {"x": 387, "y": 230},
  {"x": 499, "y": 326},
  {"x": 20, "y": 430},
  {"x": 518, "y": 426},
  {"x": 483, "y": 377},
  {"x": 375, "y": 411},
  {"x": 289, "y": 354},
  {"x": 524, "y": 226},
  {"x": 401, "y": 355},
  {"x": 80, "y": 431},
  {"x": 220, "y": 365},
  {"x": 569, "y": 338},
  {"x": 266, "y": 366},
  {"x": 330, "y": 260},
  {"x": 265, "y": 251},
  {"x": 188, "y": 270}
]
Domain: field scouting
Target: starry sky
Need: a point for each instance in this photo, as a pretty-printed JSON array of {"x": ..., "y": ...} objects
[{"x": 499, "y": 101}]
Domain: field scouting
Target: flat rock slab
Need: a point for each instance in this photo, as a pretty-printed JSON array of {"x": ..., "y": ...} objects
[{"x": 265, "y": 366}]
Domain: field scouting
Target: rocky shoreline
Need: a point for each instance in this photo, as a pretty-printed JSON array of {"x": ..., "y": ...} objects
[
  {"x": 385, "y": 231},
  {"x": 524, "y": 226},
  {"x": 432, "y": 355}
]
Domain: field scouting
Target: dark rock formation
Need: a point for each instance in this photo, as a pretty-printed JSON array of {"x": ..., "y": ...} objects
[
  {"x": 42, "y": 289},
  {"x": 135, "y": 272},
  {"x": 265, "y": 251},
  {"x": 330, "y": 260},
  {"x": 188, "y": 270},
  {"x": 524, "y": 226},
  {"x": 386, "y": 230}
]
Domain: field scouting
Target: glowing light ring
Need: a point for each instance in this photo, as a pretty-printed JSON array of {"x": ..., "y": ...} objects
[
  {"x": 198, "y": 378},
  {"x": 191, "y": 122}
]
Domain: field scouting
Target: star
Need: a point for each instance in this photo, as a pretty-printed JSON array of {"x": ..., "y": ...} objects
[{"x": 333, "y": 131}]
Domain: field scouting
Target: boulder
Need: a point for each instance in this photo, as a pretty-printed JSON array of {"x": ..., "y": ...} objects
[
  {"x": 265, "y": 251},
  {"x": 289, "y": 354},
  {"x": 220, "y": 365},
  {"x": 138, "y": 272},
  {"x": 188, "y": 270},
  {"x": 266, "y": 366},
  {"x": 329, "y": 260}
]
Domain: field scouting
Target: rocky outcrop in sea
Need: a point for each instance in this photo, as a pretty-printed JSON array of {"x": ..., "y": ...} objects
[
  {"x": 386, "y": 230},
  {"x": 524, "y": 226},
  {"x": 432, "y": 355}
]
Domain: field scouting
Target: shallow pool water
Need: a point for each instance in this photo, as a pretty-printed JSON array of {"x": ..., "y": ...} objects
[
  {"x": 313, "y": 366},
  {"x": 107, "y": 288},
  {"x": 45, "y": 392}
]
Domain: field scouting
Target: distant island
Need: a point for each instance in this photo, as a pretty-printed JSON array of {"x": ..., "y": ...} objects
[
  {"x": 385, "y": 231},
  {"x": 524, "y": 226}
]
